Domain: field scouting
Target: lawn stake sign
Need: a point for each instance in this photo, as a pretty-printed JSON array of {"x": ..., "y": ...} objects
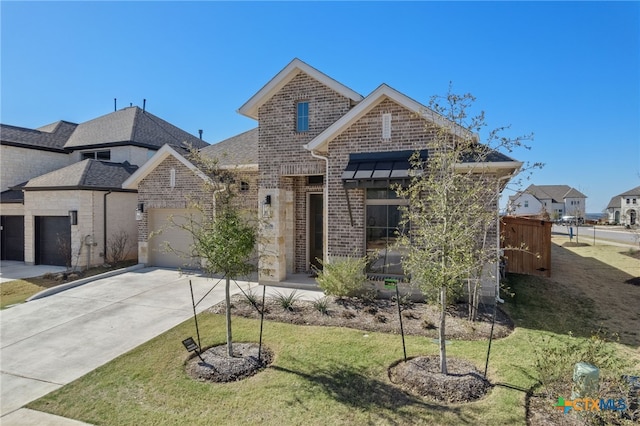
[
  {"x": 390, "y": 284},
  {"x": 191, "y": 346}
]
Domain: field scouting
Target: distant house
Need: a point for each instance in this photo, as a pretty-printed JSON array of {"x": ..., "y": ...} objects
[
  {"x": 556, "y": 200},
  {"x": 623, "y": 208},
  {"x": 62, "y": 196}
]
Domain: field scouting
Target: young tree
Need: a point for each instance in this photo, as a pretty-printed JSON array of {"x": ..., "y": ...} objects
[
  {"x": 224, "y": 231},
  {"x": 452, "y": 209}
]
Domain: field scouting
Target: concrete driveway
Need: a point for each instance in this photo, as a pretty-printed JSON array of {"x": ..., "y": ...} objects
[
  {"x": 13, "y": 270},
  {"x": 49, "y": 342}
]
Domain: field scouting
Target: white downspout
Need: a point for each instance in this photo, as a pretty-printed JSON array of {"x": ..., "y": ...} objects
[{"x": 325, "y": 206}]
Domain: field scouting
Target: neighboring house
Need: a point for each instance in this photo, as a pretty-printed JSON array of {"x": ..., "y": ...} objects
[
  {"x": 623, "y": 209},
  {"x": 556, "y": 200},
  {"x": 62, "y": 184},
  {"x": 324, "y": 159}
]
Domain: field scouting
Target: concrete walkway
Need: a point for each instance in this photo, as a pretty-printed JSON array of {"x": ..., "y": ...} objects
[{"x": 49, "y": 342}]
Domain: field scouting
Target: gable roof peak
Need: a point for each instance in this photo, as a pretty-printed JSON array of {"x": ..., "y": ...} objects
[
  {"x": 296, "y": 66},
  {"x": 382, "y": 92}
]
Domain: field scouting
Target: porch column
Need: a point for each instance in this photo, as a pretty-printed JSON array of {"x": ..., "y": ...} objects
[{"x": 276, "y": 233}]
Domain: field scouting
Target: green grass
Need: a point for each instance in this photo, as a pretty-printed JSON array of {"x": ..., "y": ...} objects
[
  {"x": 328, "y": 375},
  {"x": 17, "y": 291},
  {"x": 320, "y": 375}
]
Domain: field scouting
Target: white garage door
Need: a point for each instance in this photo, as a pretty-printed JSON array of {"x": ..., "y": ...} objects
[{"x": 179, "y": 240}]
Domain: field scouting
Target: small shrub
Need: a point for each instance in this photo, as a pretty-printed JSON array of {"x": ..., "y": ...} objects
[
  {"x": 427, "y": 324},
  {"x": 342, "y": 277},
  {"x": 554, "y": 359},
  {"x": 348, "y": 314},
  {"x": 322, "y": 305},
  {"x": 369, "y": 296},
  {"x": 381, "y": 318},
  {"x": 252, "y": 298},
  {"x": 371, "y": 310},
  {"x": 286, "y": 301},
  {"x": 405, "y": 301},
  {"x": 410, "y": 315}
]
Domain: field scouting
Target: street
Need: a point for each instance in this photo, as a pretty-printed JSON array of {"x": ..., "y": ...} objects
[{"x": 586, "y": 234}]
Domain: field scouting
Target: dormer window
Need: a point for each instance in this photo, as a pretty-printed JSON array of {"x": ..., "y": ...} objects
[
  {"x": 96, "y": 155},
  {"x": 302, "y": 117}
]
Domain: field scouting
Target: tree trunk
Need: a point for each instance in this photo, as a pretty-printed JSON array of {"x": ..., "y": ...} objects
[
  {"x": 228, "y": 313},
  {"x": 443, "y": 315}
]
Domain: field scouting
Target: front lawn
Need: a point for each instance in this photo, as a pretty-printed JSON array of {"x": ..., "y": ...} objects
[
  {"x": 320, "y": 375},
  {"x": 335, "y": 375}
]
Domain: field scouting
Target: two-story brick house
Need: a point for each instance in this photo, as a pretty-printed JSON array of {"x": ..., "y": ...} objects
[{"x": 325, "y": 160}]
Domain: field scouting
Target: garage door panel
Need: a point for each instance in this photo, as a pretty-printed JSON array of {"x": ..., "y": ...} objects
[
  {"x": 12, "y": 240},
  {"x": 180, "y": 241},
  {"x": 53, "y": 240}
]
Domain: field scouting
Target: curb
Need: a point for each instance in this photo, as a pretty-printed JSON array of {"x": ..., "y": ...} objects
[{"x": 62, "y": 287}]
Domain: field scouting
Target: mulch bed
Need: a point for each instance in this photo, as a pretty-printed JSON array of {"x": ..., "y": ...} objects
[
  {"x": 219, "y": 367},
  {"x": 421, "y": 376},
  {"x": 381, "y": 315}
]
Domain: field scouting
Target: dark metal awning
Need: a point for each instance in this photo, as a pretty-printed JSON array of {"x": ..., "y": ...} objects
[{"x": 378, "y": 169}]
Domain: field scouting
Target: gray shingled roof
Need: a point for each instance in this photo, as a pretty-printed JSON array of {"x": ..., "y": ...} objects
[
  {"x": 130, "y": 126},
  {"x": 13, "y": 195},
  {"x": 633, "y": 191},
  {"x": 86, "y": 174},
  {"x": 616, "y": 200},
  {"x": 490, "y": 156},
  {"x": 238, "y": 150},
  {"x": 557, "y": 193},
  {"x": 51, "y": 137}
]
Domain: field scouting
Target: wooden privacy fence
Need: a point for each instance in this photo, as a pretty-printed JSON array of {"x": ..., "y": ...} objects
[{"x": 530, "y": 242}]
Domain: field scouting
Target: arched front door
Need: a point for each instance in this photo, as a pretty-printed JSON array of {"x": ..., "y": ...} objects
[{"x": 632, "y": 217}]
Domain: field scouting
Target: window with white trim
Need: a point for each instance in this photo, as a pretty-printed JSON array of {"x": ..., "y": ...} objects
[{"x": 302, "y": 117}]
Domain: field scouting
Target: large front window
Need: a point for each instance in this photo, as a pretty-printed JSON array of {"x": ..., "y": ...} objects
[{"x": 383, "y": 215}]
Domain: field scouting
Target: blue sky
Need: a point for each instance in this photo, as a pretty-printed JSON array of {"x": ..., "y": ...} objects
[{"x": 567, "y": 71}]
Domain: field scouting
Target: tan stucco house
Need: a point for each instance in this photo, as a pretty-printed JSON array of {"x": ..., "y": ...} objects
[
  {"x": 62, "y": 197},
  {"x": 623, "y": 208},
  {"x": 319, "y": 168}
]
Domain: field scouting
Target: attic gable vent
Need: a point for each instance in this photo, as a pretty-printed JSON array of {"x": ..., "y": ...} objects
[{"x": 386, "y": 126}]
